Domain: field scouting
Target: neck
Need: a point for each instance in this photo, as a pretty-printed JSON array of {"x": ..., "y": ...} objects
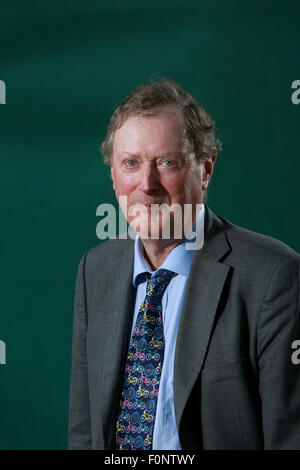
[{"x": 157, "y": 251}]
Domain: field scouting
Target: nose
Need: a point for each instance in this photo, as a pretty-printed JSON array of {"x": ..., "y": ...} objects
[{"x": 149, "y": 178}]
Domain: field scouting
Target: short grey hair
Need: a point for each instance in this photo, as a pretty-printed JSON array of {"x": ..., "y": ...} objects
[{"x": 148, "y": 99}]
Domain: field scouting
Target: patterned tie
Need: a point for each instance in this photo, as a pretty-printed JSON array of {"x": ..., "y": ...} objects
[{"x": 143, "y": 368}]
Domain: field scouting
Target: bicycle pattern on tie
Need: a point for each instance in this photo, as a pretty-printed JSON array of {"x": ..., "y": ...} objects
[{"x": 143, "y": 370}]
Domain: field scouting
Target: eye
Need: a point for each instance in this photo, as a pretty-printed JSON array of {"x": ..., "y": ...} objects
[
  {"x": 130, "y": 163},
  {"x": 168, "y": 163}
]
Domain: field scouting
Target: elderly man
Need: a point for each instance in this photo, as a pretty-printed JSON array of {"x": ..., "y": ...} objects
[{"x": 179, "y": 345}]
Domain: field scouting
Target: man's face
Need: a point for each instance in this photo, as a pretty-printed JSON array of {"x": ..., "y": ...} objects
[{"x": 153, "y": 164}]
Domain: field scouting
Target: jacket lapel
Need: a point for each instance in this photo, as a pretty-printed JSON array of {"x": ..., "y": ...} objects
[
  {"x": 119, "y": 305},
  {"x": 203, "y": 292}
]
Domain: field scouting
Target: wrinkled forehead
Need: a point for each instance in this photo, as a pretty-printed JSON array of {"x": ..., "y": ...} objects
[{"x": 161, "y": 131}]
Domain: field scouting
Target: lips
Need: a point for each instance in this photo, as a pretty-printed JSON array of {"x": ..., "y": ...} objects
[{"x": 148, "y": 204}]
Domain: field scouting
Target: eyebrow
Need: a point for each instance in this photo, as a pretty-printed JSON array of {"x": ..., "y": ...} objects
[{"x": 163, "y": 155}]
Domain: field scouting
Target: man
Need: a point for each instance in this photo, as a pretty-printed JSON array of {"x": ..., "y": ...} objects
[{"x": 175, "y": 345}]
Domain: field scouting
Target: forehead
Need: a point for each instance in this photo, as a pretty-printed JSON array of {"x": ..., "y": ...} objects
[{"x": 161, "y": 132}]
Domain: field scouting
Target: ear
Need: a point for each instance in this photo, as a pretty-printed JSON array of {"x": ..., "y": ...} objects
[
  {"x": 208, "y": 167},
  {"x": 112, "y": 177},
  {"x": 214, "y": 154}
]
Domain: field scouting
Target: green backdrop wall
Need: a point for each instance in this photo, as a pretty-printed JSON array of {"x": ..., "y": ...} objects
[{"x": 66, "y": 65}]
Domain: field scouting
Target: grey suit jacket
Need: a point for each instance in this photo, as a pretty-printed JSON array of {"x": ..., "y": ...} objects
[{"x": 235, "y": 385}]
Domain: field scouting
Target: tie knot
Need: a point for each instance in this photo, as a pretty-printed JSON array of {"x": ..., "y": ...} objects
[
  {"x": 142, "y": 277},
  {"x": 164, "y": 275},
  {"x": 158, "y": 283}
]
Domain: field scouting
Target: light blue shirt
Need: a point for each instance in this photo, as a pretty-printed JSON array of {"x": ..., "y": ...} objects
[{"x": 165, "y": 435}]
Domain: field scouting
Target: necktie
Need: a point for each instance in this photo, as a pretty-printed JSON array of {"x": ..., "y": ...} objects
[{"x": 137, "y": 410}]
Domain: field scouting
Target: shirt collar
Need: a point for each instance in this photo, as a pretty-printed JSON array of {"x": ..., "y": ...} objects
[{"x": 180, "y": 258}]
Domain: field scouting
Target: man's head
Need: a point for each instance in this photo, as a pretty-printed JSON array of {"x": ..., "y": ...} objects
[{"x": 161, "y": 149}]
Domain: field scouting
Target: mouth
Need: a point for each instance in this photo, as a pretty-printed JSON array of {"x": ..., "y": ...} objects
[{"x": 149, "y": 204}]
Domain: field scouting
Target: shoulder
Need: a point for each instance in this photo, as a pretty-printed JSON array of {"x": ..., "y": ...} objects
[
  {"x": 254, "y": 248},
  {"x": 107, "y": 253}
]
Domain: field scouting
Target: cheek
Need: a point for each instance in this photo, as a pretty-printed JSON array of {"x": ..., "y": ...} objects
[
  {"x": 184, "y": 189},
  {"x": 124, "y": 186},
  {"x": 174, "y": 185}
]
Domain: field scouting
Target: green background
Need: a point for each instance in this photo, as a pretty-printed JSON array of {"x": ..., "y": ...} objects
[{"x": 66, "y": 66}]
